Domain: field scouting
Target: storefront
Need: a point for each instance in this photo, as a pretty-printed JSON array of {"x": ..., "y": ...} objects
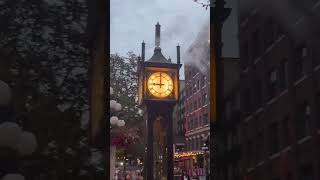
[{"x": 191, "y": 162}]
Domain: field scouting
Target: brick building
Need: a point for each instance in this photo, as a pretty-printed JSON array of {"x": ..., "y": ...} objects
[
  {"x": 196, "y": 108},
  {"x": 280, "y": 97},
  {"x": 197, "y": 127}
]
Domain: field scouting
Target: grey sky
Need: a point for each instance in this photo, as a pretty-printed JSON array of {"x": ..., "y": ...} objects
[{"x": 133, "y": 21}]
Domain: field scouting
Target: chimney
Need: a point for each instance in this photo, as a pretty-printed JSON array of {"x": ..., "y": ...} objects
[
  {"x": 178, "y": 54},
  {"x": 143, "y": 50},
  {"x": 157, "y": 40}
]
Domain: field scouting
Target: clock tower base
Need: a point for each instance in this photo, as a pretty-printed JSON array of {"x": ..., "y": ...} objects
[{"x": 155, "y": 113}]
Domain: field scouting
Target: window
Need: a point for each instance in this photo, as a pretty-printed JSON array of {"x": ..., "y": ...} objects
[
  {"x": 256, "y": 44},
  {"x": 199, "y": 85},
  {"x": 316, "y": 57},
  {"x": 247, "y": 101},
  {"x": 318, "y": 109},
  {"x": 258, "y": 93},
  {"x": 197, "y": 122},
  {"x": 279, "y": 31},
  {"x": 228, "y": 110},
  {"x": 245, "y": 54},
  {"x": 260, "y": 146},
  {"x": 303, "y": 120},
  {"x": 283, "y": 75},
  {"x": 200, "y": 121},
  {"x": 203, "y": 81},
  {"x": 193, "y": 122},
  {"x": 269, "y": 33},
  {"x": 229, "y": 141},
  {"x": 205, "y": 119},
  {"x": 249, "y": 153},
  {"x": 204, "y": 97},
  {"x": 199, "y": 102},
  {"x": 230, "y": 173},
  {"x": 272, "y": 84},
  {"x": 234, "y": 137},
  {"x": 286, "y": 133},
  {"x": 274, "y": 138},
  {"x": 301, "y": 53},
  {"x": 237, "y": 101}
]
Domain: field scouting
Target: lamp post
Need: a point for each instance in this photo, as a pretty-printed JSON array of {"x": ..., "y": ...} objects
[
  {"x": 218, "y": 14},
  {"x": 205, "y": 149}
]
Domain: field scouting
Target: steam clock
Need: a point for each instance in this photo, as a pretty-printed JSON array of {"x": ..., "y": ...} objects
[{"x": 158, "y": 93}]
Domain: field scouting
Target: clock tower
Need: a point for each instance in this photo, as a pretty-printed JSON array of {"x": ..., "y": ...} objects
[{"x": 158, "y": 87}]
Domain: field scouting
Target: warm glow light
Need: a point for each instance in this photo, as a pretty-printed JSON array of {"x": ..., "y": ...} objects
[
  {"x": 187, "y": 154},
  {"x": 160, "y": 84}
]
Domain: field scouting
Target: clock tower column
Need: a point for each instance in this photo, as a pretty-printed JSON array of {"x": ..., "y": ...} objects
[{"x": 158, "y": 94}]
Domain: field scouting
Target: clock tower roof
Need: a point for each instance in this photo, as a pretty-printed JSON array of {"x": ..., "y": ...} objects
[{"x": 158, "y": 57}]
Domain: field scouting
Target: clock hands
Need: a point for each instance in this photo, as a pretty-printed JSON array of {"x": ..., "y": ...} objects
[
  {"x": 160, "y": 80},
  {"x": 160, "y": 84}
]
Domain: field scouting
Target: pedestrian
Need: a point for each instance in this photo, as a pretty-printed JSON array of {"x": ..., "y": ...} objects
[
  {"x": 185, "y": 176},
  {"x": 128, "y": 177}
]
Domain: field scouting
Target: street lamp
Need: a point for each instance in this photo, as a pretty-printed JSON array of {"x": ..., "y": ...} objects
[{"x": 205, "y": 148}]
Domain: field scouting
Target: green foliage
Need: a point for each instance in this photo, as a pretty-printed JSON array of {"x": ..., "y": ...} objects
[
  {"x": 43, "y": 45},
  {"x": 124, "y": 81}
]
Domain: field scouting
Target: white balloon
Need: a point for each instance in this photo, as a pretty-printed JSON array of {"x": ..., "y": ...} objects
[
  {"x": 114, "y": 120},
  {"x": 13, "y": 177},
  {"x": 113, "y": 104},
  {"x": 118, "y": 107},
  {"x": 111, "y": 91},
  {"x": 5, "y": 93},
  {"x": 121, "y": 123},
  {"x": 9, "y": 134},
  {"x": 27, "y": 143}
]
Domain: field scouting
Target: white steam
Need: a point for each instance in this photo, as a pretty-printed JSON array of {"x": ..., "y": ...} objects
[{"x": 198, "y": 53}]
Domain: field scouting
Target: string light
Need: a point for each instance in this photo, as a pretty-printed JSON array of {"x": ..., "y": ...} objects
[{"x": 187, "y": 154}]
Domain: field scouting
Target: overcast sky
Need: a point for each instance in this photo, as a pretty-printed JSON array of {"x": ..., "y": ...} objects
[{"x": 133, "y": 21}]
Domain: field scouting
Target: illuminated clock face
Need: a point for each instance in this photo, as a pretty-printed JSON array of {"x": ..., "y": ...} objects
[{"x": 160, "y": 84}]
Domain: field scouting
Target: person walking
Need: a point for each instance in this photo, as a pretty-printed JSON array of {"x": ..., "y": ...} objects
[
  {"x": 127, "y": 177},
  {"x": 185, "y": 176}
]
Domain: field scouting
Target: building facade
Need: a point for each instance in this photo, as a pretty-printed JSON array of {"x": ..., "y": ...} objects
[
  {"x": 196, "y": 108},
  {"x": 197, "y": 127},
  {"x": 280, "y": 96}
]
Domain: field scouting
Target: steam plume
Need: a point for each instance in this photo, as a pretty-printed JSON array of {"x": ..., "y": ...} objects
[{"x": 198, "y": 53}]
